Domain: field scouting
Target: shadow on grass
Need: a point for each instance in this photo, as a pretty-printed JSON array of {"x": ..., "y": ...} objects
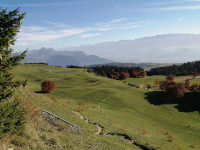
[
  {"x": 190, "y": 102},
  {"x": 39, "y": 92}
]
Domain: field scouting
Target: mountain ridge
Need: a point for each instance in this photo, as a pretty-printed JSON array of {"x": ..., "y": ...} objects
[
  {"x": 62, "y": 58},
  {"x": 155, "y": 49}
]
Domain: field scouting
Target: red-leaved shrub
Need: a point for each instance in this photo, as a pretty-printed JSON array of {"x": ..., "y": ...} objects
[
  {"x": 140, "y": 74},
  {"x": 170, "y": 78},
  {"x": 175, "y": 90},
  {"x": 47, "y": 86},
  {"x": 124, "y": 75},
  {"x": 194, "y": 88}
]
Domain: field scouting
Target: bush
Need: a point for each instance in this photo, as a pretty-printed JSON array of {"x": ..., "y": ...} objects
[
  {"x": 47, "y": 86},
  {"x": 170, "y": 137},
  {"x": 195, "y": 73},
  {"x": 140, "y": 74},
  {"x": 175, "y": 90},
  {"x": 149, "y": 86},
  {"x": 187, "y": 84},
  {"x": 162, "y": 85},
  {"x": 170, "y": 78},
  {"x": 138, "y": 86},
  {"x": 157, "y": 83},
  {"x": 124, "y": 75},
  {"x": 194, "y": 88},
  {"x": 115, "y": 75}
]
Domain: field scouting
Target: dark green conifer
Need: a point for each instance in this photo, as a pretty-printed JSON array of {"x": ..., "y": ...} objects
[{"x": 11, "y": 115}]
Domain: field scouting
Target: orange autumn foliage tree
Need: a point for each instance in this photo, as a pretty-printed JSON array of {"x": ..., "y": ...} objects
[
  {"x": 135, "y": 74},
  {"x": 194, "y": 88},
  {"x": 115, "y": 75},
  {"x": 157, "y": 83},
  {"x": 175, "y": 90},
  {"x": 140, "y": 74},
  {"x": 143, "y": 73},
  {"x": 47, "y": 86},
  {"x": 124, "y": 75},
  {"x": 170, "y": 78},
  {"x": 187, "y": 84},
  {"x": 195, "y": 74}
]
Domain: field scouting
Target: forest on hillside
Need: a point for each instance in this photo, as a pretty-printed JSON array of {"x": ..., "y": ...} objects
[
  {"x": 189, "y": 68},
  {"x": 119, "y": 73}
]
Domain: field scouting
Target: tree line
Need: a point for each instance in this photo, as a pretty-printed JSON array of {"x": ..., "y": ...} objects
[
  {"x": 119, "y": 73},
  {"x": 189, "y": 68}
]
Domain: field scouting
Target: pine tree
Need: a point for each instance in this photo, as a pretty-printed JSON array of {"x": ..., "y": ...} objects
[{"x": 11, "y": 118}]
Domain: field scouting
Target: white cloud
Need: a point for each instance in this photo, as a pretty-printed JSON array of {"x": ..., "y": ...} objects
[
  {"x": 50, "y": 4},
  {"x": 192, "y": 7},
  {"x": 131, "y": 26},
  {"x": 36, "y": 34},
  {"x": 191, "y": 0},
  {"x": 32, "y": 28},
  {"x": 89, "y": 35},
  {"x": 173, "y": 8},
  {"x": 109, "y": 23},
  {"x": 23, "y": 43},
  {"x": 105, "y": 28},
  {"x": 122, "y": 26},
  {"x": 56, "y": 24},
  {"x": 116, "y": 20},
  {"x": 179, "y": 19},
  {"x": 29, "y": 37}
]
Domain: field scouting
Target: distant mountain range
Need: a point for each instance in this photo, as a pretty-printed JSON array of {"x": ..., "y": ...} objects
[
  {"x": 168, "y": 48},
  {"x": 62, "y": 58}
]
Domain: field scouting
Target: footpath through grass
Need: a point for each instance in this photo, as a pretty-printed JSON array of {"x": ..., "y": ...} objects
[{"x": 118, "y": 108}]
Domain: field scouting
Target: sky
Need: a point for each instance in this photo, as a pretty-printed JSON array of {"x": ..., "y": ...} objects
[{"x": 61, "y": 24}]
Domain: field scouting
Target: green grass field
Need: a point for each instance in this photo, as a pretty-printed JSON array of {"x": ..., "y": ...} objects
[{"x": 115, "y": 106}]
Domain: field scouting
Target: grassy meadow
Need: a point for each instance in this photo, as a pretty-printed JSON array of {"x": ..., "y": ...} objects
[{"x": 119, "y": 108}]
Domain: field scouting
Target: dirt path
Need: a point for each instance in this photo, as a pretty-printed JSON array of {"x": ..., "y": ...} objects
[
  {"x": 81, "y": 116},
  {"x": 99, "y": 127},
  {"x": 100, "y": 131}
]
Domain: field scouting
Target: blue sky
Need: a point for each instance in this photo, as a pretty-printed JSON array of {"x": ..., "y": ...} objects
[{"x": 66, "y": 23}]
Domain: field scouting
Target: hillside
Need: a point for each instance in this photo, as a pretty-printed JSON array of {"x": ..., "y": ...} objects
[{"x": 123, "y": 112}]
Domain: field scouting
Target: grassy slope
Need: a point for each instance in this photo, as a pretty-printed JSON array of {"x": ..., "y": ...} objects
[{"x": 119, "y": 108}]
